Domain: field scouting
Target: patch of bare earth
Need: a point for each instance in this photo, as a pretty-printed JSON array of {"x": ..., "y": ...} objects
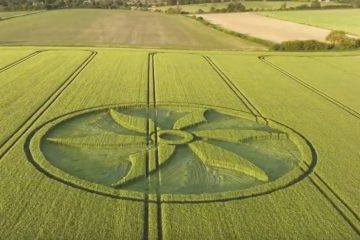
[{"x": 266, "y": 28}]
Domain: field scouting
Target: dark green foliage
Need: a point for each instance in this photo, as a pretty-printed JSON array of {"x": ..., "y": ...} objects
[
  {"x": 336, "y": 36},
  {"x": 337, "y": 40},
  {"x": 342, "y": 41},
  {"x": 175, "y": 10},
  {"x": 231, "y": 7},
  {"x": 356, "y": 3},
  {"x": 315, "y": 5},
  {"x": 235, "y": 7},
  {"x": 348, "y": 43},
  {"x": 200, "y": 11},
  {"x": 308, "y": 45}
]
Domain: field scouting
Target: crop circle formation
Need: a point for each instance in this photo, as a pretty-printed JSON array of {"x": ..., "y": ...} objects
[{"x": 182, "y": 153}]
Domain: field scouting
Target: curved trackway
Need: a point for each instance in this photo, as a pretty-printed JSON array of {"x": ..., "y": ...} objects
[
  {"x": 311, "y": 88},
  {"x": 19, "y": 15},
  {"x": 23, "y": 59},
  {"x": 324, "y": 188}
]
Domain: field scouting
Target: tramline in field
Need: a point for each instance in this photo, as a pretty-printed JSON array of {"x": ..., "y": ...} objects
[{"x": 137, "y": 151}]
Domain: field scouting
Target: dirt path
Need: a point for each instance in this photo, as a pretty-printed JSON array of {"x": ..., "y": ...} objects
[{"x": 266, "y": 28}]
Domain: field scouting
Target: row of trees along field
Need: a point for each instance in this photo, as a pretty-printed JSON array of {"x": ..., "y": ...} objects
[{"x": 12, "y": 5}]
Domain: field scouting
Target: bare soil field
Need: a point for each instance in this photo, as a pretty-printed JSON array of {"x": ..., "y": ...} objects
[{"x": 266, "y": 28}]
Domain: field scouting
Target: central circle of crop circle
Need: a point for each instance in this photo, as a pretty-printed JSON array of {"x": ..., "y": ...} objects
[{"x": 173, "y": 137}]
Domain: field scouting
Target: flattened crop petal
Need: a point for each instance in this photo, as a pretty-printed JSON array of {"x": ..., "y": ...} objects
[
  {"x": 190, "y": 119},
  {"x": 214, "y": 156},
  {"x": 107, "y": 140},
  {"x": 133, "y": 123},
  {"x": 137, "y": 169},
  {"x": 165, "y": 152},
  {"x": 237, "y": 135}
]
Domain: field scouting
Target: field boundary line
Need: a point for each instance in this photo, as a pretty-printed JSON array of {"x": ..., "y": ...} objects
[
  {"x": 23, "y": 59},
  {"x": 11, "y": 141},
  {"x": 311, "y": 88},
  {"x": 248, "y": 104}
]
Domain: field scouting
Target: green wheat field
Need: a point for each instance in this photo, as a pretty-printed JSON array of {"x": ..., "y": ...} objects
[{"x": 130, "y": 144}]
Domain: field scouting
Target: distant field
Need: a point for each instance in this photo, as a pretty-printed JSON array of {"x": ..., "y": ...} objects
[
  {"x": 266, "y": 28},
  {"x": 346, "y": 20},
  {"x": 109, "y": 143},
  {"x": 258, "y": 5},
  {"x": 116, "y": 28}
]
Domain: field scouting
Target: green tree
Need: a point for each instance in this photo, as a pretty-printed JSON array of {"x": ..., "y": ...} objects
[
  {"x": 235, "y": 7},
  {"x": 336, "y": 37},
  {"x": 315, "y": 5},
  {"x": 356, "y": 3}
]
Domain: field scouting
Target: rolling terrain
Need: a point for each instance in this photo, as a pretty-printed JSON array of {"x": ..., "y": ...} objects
[{"x": 116, "y": 28}]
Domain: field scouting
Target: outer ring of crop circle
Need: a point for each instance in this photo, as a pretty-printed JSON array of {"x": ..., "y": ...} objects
[{"x": 33, "y": 152}]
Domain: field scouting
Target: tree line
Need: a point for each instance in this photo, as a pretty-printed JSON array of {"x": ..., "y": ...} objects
[{"x": 11, "y": 5}]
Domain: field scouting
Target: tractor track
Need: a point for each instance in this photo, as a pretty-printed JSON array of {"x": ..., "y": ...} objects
[
  {"x": 18, "y": 16},
  {"x": 23, "y": 59},
  {"x": 147, "y": 159},
  {"x": 151, "y": 94},
  {"x": 311, "y": 177},
  {"x": 14, "y": 138},
  {"x": 335, "y": 200},
  {"x": 311, "y": 88},
  {"x": 248, "y": 104},
  {"x": 157, "y": 164},
  {"x": 151, "y": 107},
  {"x": 154, "y": 106},
  {"x": 315, "y": 58}
]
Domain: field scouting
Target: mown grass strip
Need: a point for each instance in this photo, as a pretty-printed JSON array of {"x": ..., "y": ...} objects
[
  {"x": 31, "y": 120},
  {"x": 311, "y": 88},
  {"x": 23, "y": 59}
]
